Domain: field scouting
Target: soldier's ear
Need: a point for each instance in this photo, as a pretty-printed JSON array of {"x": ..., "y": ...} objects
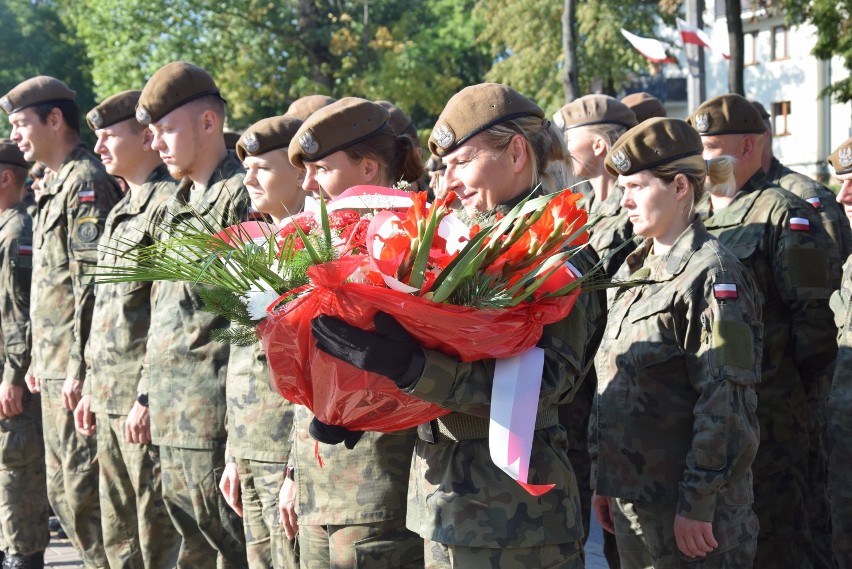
[
  {"x": 6, "y": 178},
  {"x": 147, "y": 139},
  {"x": 210, "y": 122}
]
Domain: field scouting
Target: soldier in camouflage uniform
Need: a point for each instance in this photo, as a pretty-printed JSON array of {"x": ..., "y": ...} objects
[
  {"x": 23, "y": 499},
  {"x": 591, "y": 125},
  {"x": 71, "y": 213},
  {"x": 138, "y": 532},
  {"x": 780, "y": 239},
  {"x": 183, "y": 375},
  {"x": 471, "y": 513},
  {"x": 365, "y": 527},
  {"x": 835, "y": 223},
  {"x": 674, "y": 429},
  {"x": 259, "y": 420},
  {"x": 840, "y": 394}
]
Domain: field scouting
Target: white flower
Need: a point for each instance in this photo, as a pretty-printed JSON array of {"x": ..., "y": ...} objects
[{"x": 257, "y": 301}]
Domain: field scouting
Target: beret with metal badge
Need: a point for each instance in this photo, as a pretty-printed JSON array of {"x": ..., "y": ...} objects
[
  {"x": 594, "y": 109},
  {"x": 173, "y": 85},
  {"x": 267, "y": 134},
  {"x": 653, "y": 143},
  {"x": 841, "y": 158},
  {"x": 727, "y": 114},
  {"x": 113, "y": 109},
  {"x": 35, "y": 91}
]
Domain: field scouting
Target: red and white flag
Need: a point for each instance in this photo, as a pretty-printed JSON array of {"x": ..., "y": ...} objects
[
  {"x": 693, "y": 34},
  {"x": 800, "y": 224},
  {"x": 655, "y": 50},
  {"x": 725, "y": 291}
]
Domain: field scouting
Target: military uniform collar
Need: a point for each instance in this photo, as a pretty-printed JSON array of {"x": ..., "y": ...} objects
[
  {"x": 224, "y": 170},
  {"x": 739, "y": 208},
  {"x": 776, "y": 170},
  {"x": 140, "y": 197},
  {"x": 672, "y": 263},
  {"x": 9, "y": 213},
  {"x": 78, "y": 153}
]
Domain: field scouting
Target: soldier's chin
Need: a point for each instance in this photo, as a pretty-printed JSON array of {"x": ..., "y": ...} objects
[{"x": 177, "y": 172}]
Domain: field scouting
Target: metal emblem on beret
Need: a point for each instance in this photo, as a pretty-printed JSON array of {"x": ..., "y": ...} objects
[
  {"x": 88, "y": 231},
  {"x": 443, "y": 136},
  {"x": 6, "y": 104},
  {"x": 308, "y": 143},
  {"x": 844, "y": 156},
  {"x": 702, "y": 122},
  {"x": 620, "y": 160},
  {"x": 95, "y": 118},
  {"x": 143, "y": 116},
  {"x": 250, "y": 143}
]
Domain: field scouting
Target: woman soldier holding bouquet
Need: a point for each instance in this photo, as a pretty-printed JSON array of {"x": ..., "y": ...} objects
[
  {"x": 674, "y": 431},
  {"x": 351, "y": 511},
  {"x": 259, "y": 420},
  {"x": 497, "y": 146}
]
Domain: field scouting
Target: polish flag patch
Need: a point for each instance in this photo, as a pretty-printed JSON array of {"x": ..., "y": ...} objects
[
  {"x": 25, "y": 249},
  {"x": 725, "y": 291},
  {"x": 800, "y": 224},
  {"x": 85, "y": 196},
  {"x": 814, "y": 201}
]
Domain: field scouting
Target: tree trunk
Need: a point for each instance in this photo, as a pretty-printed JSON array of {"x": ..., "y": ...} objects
[
  {"x": 733, "y": 9},
  {"x": 570, "y": 81}
]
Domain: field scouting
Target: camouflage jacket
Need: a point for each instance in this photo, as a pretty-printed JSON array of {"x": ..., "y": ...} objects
[
  {"x": 674, "y": 417},
  {"x": 840, "y": 394},
  {"x": 338, "y": 486},
  {"x": 16, "y": 267},
  {"x": 184, "y": 370},
  {"x": 822, "y": 199},
  {"x": 122, "y": 311},
  {"x": 457, "y": 495},
  {"x": 71, "y": 211},
  {"x": 610, "y": 231},
  {"x": 259, "y": 420},
  {"x": 780, "y": 239}
]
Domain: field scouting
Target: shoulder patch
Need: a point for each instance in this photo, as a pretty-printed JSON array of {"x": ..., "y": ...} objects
[
  {"x": 88, "y": 230},
  {"x": 814, "y": 201},
  {"x": 800, "y": 224},
  {"x": 724, "y": 291},
  {"x": 86, "y": 196}
]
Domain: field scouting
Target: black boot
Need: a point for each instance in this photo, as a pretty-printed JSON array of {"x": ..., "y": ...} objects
[{"x": 18, "y": 561}]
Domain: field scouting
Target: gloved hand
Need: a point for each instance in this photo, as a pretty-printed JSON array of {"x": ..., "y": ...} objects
[
  {"x": 333, "y": 435},
  {"x": 390, "y": 350}
]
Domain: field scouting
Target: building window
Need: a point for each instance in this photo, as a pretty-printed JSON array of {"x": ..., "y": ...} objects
[
  {"x": 750, "y": 48},
  {"x": 780, "y": 118},
  {"x": 779, "y": 43}
]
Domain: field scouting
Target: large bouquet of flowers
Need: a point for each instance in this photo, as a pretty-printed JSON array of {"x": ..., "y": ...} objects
[{"x": 378, "y": 249}]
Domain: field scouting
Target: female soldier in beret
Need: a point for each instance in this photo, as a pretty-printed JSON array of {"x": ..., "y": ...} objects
[
  {"x": 674, "y": 430},
  {"x": 497, "y": 146},
  {"x": 348, "y": 143},
  {"x": 259, "y": 420}
]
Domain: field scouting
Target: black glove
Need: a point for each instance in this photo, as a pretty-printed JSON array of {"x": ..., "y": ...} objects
[
  {"x": 333, "y": 435},
  {"x": 390, "y": 350}
]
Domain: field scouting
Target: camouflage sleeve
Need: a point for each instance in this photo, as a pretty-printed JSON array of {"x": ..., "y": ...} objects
[
  {"x": 807, "y": 270},
  {"x": 723, "y": 345},
  {"x": 16, "y": 271},
  {"x": 89, "y": 202}
]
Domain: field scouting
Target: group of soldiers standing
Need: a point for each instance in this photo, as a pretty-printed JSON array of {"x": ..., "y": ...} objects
[{"x": 162, "y": 447}]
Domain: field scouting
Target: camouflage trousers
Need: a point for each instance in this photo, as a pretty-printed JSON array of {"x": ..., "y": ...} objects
[
  {"x": 380, "y": 545},
  {"x": 841, "y": 537},
  {"x": 24, "y": 510},
  {"x": 559, "y": 556},
  {"x": 212, "y": 533},
  {"x": 779, "y": 502},
  {"x": 138, "y": 532},
  {"x": 645, "y": 535},
  {"x": 266, "y": 545},
  {"x": 72, "y": 476}
]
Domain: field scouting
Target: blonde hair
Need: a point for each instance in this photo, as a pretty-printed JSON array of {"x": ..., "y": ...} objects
[
  {"x": 715, "y": 175},
  {"x": 543, "y": 140}
]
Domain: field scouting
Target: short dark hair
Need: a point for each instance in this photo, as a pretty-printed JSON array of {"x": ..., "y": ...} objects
[
  {"x": 69, "y": 109},
  {"x": 18, "y": 172}
]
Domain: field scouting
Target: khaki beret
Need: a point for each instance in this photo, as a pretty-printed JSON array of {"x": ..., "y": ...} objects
[
  {"x": 172, "y": 86},
  {"x": 644, "y": 105},
  {"x": 306, "y": 106},
  {"x": 764, "y": 114},
  {"x": 267, "y": 134},
  {"x": 399, "y": 121},
  {"x": 594, "y": 109},
  {"x": 653, "y": 143},
  {"x": 477, "y": 108},
  {"x": 841, "y": 158},
  {"x": 11, "y": 154},
  {"x": 335, "y": 127},
  {"x": 727, "y": 114},
  {"x": 35, "y": 91},
  {"x": 114, "y": 109}
]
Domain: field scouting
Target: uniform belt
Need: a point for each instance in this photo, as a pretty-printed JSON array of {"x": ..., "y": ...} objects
[{"x": 464, "y": 427}]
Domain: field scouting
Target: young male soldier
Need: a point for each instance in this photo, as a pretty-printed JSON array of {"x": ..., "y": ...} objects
[
  {"x": 835, "y": 223},
  {"x": 71, "y": 212},
  {"x": 23, "y": 500},
  {"x": 781, "y": 240},
  {"x": 184, "y": 370},
  {"x": 840, "y": 394},
  {"x": 137, "y": 529}
]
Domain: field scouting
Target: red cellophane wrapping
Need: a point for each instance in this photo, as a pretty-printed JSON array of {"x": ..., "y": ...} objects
[{"x": 340, "y": 394}]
